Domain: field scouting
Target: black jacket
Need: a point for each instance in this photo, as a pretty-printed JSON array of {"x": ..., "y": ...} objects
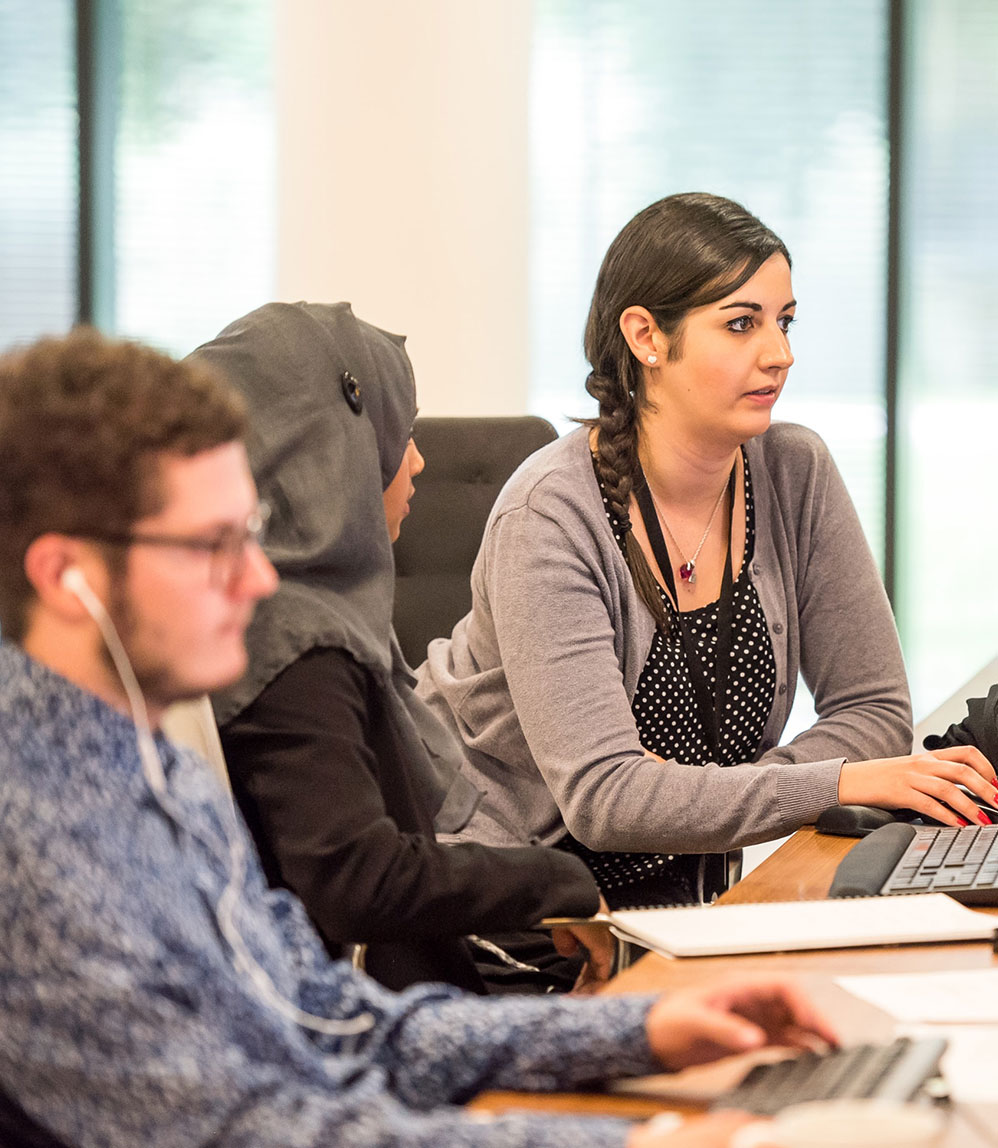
[
  {"x": 979, "y": 728},
  {"x": 317, "y": 772}
]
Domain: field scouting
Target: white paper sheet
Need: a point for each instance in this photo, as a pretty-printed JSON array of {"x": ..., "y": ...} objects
[
  {"x": 961, "y": 996},
  {"x": 711, "y": 930},
  {"x": 970, "y": 1064}
]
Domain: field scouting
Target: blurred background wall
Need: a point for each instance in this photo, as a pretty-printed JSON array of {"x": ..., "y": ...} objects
[{"x": 456, "y": 168}]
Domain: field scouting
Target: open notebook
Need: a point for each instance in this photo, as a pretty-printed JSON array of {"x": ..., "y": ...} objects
[{"x": 716, "y": 930}]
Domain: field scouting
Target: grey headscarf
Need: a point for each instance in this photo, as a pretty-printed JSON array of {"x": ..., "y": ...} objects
[{"x": 332, "y": 402}]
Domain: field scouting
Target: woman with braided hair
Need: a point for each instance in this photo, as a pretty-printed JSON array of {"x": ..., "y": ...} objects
[{"x": 649, "y": 587}]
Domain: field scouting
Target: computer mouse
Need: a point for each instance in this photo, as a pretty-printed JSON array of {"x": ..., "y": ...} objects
[
  {"x": 853, "y": 820},
  {"x": 987, "y": 806},
  {"x": 913, "y": 817}
]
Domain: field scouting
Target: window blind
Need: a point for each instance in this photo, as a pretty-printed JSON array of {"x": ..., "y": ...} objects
[{"x": 38, "y": 158}]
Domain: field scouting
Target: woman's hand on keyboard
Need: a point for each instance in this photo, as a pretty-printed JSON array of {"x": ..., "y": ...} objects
[
  {"x": 697, "y": 1025},
  {"x": 926, "y": 782}
]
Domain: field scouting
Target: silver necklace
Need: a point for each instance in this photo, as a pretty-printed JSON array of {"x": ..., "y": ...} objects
[{"x": 688, "y": 570}]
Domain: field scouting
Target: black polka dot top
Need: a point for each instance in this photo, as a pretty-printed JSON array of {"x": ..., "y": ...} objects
[{"x": 668, "y": 722}]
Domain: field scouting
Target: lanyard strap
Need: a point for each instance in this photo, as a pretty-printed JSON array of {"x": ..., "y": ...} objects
[{"x": 709, "y": 699}]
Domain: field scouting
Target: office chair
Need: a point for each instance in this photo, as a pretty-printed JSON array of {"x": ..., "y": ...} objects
[{"x": 467, "y": 462}]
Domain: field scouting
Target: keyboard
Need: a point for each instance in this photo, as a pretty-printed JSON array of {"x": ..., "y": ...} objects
[
  {"x": 903, "y": 1070},
  {"x": 898, "y": 859}
]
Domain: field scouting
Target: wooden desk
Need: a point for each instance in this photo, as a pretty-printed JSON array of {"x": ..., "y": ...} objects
[{"x": 801, "y": 869}]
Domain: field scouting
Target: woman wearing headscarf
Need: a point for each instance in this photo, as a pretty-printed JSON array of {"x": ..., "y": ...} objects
[{"x": 341, "y": 771}]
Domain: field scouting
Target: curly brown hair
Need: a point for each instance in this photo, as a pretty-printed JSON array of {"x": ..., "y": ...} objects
[
  {"x": 84, "y": 421},
  {"x": 682, "y": 252}
]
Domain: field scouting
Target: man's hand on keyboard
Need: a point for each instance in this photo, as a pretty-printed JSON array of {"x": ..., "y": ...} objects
[
  {"x": 926, "y": 782},
  {"x": 697, "y": 1025}
]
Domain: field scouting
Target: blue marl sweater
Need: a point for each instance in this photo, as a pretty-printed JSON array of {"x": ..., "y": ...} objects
[{"x": 124, "y": 1023}]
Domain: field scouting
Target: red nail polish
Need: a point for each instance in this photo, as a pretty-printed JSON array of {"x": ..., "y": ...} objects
[
  {"x": 962, "y": 820},
  {"x": 994, "y": 782},
  {"x": 983, "y": 818}
]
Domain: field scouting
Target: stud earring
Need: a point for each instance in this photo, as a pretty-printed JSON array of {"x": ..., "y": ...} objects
[{"x": 652, "y": 360}]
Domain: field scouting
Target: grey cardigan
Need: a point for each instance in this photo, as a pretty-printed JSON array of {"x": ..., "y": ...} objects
[{"x": 537, "y": 680}]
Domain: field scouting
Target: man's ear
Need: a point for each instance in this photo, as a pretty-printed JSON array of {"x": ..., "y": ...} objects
[
  {"x": 46, "y": 562},
  {"x": 647, "y": 343}
]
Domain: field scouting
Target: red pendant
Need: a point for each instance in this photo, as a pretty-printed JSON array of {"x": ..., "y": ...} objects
[{"x": 688, "y": 572}]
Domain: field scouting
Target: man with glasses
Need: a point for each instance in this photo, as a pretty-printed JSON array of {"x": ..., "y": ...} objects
[{"x": 152, "y": 990}]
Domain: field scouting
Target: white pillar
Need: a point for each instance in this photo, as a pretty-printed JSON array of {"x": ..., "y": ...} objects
[{"x": 402, "y": 169}]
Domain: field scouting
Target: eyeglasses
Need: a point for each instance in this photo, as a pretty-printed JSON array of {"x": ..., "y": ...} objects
[{"x": 227, "y": 550}]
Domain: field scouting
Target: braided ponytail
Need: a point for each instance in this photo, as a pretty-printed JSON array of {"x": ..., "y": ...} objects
[{"x": 618, "y": 468}]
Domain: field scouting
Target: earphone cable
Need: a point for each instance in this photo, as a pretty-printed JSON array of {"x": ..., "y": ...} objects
[{"x": 225, "y": 910}]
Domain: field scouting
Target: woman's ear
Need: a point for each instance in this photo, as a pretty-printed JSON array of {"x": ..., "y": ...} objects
[{"x": 642, "y": 334}]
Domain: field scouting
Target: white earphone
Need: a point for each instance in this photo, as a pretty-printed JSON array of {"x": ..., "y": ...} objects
[{"x": 74, "y": 580}]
